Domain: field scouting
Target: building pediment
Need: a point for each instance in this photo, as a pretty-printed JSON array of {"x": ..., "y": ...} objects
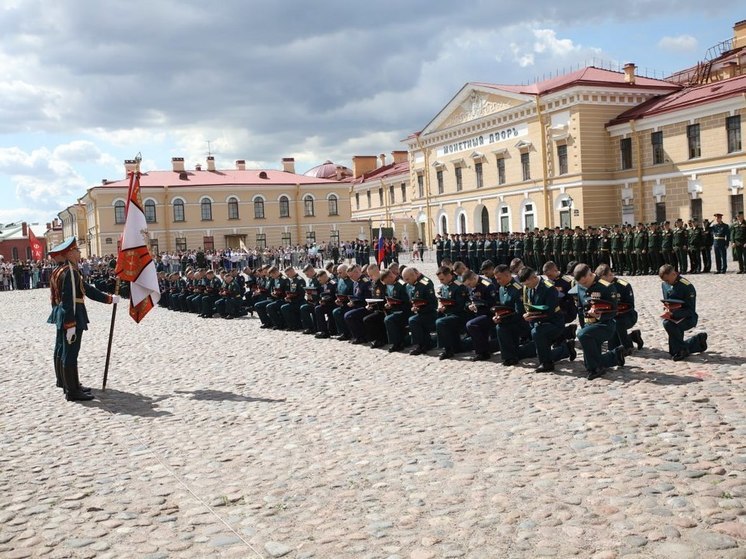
[{"x": 472, "y": 103}]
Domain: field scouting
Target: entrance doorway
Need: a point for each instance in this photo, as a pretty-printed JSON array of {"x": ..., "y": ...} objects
[
  {"x": 565, "y": 219},
  {"x": 235, "y": 242}
]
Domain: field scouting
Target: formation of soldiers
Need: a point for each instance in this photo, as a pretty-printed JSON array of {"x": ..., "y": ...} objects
[
  {"x": 629, "y": 250},
  {"x": 511, "y": 309}
]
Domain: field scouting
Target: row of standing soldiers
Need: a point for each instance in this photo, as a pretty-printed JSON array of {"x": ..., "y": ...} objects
[{"x": 630, "y": 250}]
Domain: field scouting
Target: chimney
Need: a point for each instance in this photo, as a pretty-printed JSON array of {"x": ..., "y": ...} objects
[
  {"x": 24, "y": 229},
  {"x": 399, "y": 156},
  {"x": 198, "y": 167},
  {"x": 49, "y": 226},
  {"x": 240, "y": 164},
  {"x": 339, "y": 172},
  {"x": 130, "y": 166},
  {"x": 382, "y": 157},
  {"x": 210, "y": 162},
  {"x": 177, "y": 164},
  {"x": 729, "y": 70},
  {"x": 629, "y": 73},
  {"x": 104, "y": 182},
  {"x": 288, "y": 164},
  {"x": 739, "y": 34},
  {"x": 362, "y": 164}
]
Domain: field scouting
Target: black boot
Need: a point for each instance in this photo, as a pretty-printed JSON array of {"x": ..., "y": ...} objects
[
  {"x": 83, "y": 388},
  {"x": 58, "y": 372},
  {"x": 73, "y": 392},
  {"x": 636, "y": 336}
]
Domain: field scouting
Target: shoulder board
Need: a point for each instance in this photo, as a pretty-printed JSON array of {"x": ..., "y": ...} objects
[
  {"x": 622, "y": 282},
  {"x": 548, "y": 283},
  {"x": 365, "y": 279},
  {"x": 425, "y": 281},
  {"x": 457, "y": 282},
  {"x": 517, "y": 285},
  {"x": 486, "y": 282},
  {"x": 684, "y": 281},
  {"x": 568, "y": 279},
  {"x": 401, "y": 282},
  {"x": 604, "y": 282}
]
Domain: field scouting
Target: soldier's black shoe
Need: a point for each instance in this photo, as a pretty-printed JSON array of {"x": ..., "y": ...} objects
[
  {"x": 571, "y": 350},
  {"x": 593, "y": 374},
  {"x": 511, "y": 362},
  {"x": 703, "y": 342},
  {"x": 636, "y": 337},
  {"x": 322, "y": 336},
  {"x": 445, "y": 354},
  {"x": 418, "y": 350},
  {"x": 357, "y": 341},
  {"x": 619, "y": 353},
  {"x": 229, "y": 317},
  {"x": 544, "y": 368},
  {"x": 376, "y": 344},
  {"x": 396, "y": 347},
  {"x": 681, "y": 355},
  {"x": 308, "y": 331},
  {"x": 265, "y": 326},
  {"x": 58, "y": 373},
  {"x": 484, "y": 356},
  {"x": 343, "y": 338},
  {"x": 78, "y": 396},
  {"x": 570, "y": 331}
]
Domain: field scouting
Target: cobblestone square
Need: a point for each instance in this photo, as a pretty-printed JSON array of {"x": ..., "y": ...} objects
[{"x": 217, "y": 439}]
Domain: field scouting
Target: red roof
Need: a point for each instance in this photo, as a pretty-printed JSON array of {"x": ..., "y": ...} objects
[
  {"x": 252, "y": 177},
  {"x": 685, "y": 98},
  {"x": 384, "y": 172},
  {"x": 585, "y": 76},
  {"x": 328, "y": 170}
]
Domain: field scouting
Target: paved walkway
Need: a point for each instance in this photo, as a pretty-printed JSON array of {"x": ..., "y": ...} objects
[{"x": 217, "y": 439}]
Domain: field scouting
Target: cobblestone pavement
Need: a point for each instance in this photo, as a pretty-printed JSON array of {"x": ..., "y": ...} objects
[{"x": 217, "y": 439}]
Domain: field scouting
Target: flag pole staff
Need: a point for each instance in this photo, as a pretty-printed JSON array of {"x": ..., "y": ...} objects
[{"x": 138, "y": 158}]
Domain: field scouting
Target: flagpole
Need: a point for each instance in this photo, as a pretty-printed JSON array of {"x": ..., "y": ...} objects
[{"x": 111, "y": 335}]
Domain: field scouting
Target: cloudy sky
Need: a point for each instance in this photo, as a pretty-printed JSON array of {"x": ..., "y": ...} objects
[{"x": 89, "y": 83}]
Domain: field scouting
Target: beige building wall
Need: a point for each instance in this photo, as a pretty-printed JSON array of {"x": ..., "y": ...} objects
[{"x": 75, "y": 223}]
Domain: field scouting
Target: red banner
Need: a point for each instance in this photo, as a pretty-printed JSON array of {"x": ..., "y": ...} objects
[{"x": 37, "y": 250}]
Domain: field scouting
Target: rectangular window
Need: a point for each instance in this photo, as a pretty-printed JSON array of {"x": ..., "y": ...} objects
[
  {"x": 526, "y": 166},
  {"x": 149, "y": 208},
  {"x": 441, "y": 188},
  {"x": 480, "y": 175},
  {"x": 562, "y": 159},
  {"x": 284, "y": 206},
  {"x": 367, "y": 194},
  {"x": 504, "y": 220},
  {"x": 692, "y": 136},
  {"x": 403, "y": 192},
  {"x": 392, "y": 195},
  {"x": 181, "y": 244},
  {"x": 287, "y": 239},
  {"x": 656, "y": 139},
  {"x": 459, "y": 179},
  {"x": 625, "y": 148},
  {"x": 733, "y": 126},
  {"x": 357, "y": 200},
  {"x": 421, "y": 185},
  {"x": 178, "y": 210},
  {"x": 696, "y": 209},
  {"x": 310, "y": 237},
  {"x": 334, "y": 237},
  {"x": 736, "y": 205},
  {"x": 261, "y": 240},
  {"x": 153, "y": 246},
  {"x": 380, "y": 196},
  {"x": 660, "y": 212},
  {"x": 501, "y": 170},
  {"x": 208, "y": 243}
]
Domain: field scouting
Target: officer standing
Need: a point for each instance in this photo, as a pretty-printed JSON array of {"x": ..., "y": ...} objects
[
  {"x": 707, "y": 243},
  {"x": 680, "y": 300},
  {"x": 59, "y": 343},
  {"x": 696, "y": 239},
  {"x": 720, "y": 236},
  {"x": 738, "y": 242},
  {"x": 680, "y": 242},
  {"x": 667, "y": 244},
  {"x": 439, "y": 249}
]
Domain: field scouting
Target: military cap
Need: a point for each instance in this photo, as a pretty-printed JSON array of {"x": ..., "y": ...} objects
[
  {"x": 68, "y": 244},
  {"x": 718, "y": 215}
]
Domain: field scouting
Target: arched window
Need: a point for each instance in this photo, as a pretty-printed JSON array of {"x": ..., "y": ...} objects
[
  {"x": 462, "y": 223},
  {"x": 529, "y": 219},
  {"x": 333, "y": 208},
  {"x": 485, "y": 221},
  {"x": 205, "y": 207},
  {"x": 150, "y": 211},
  {"x": 232, "y": 208},
  {"x": 258, "y": 208},
  {"x": 118, "y": 211},
  {"x": 308, "y": 205},
  {"x": 443, "y": 225},
  {"x": 178, "y": 210},
  {"x": 284, "y": 206}
]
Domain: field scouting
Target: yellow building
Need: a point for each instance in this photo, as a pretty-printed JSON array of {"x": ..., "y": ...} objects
[
  {"x": 74, "y": 222},
  {"x": 216, "y": 209},
  {"x": 591, "y": 147}
]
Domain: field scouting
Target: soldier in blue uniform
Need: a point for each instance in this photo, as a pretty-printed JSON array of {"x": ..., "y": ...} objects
[
  {"x": 327, "y": 296},
  {"x": 398, "y": 311},
  {"x": 344, "y": 290},
  {"x": 356, "y": 309},
  {"x": 680, "y": 300},
  {"x": 373, "y": 323},
  {"x": 568, "y": 307},
  {"x": 626, "y": 315},
  {"x": 424, "y": 309},
  {"x": 68, "y": 297},
  {"x": 212, "y": 286},
  {"x": 720, "y": 235},
  {"x": 275, "y": 291},
  {"x": 294, "y": 297},
  {"x": 482, "y": 297},
  {"x": 311, "y": 299},
  {"x": 599, "y": 299},
  {"x": 452, "y": 297},
  {"x": 59, "y": 343},
  {"x": 511, "y": 328}
]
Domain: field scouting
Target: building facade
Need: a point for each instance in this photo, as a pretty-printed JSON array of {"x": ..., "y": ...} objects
[
  {"x": 217, "y": 209},
  {"x": 15, "y": 243},
  {"x": 74, "y": 222}
]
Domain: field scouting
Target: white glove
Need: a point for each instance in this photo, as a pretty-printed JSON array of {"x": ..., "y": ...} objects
[
  {"x": 115, "y": 299},
  {"x": 70, "y": 335}
]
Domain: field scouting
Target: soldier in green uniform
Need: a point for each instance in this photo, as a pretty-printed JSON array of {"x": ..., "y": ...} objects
[
  {"x": 557, "y": 246},
  {"x": 68, "y": 296},
  {"x": 566, "y": 248},
  {"x": 439, "y": 246},
  {"x": 707, "y": 243},
  {"x": 528, "y": 246},
  {"x": 592, "y": 246},
  {"x": 424, "y": 309},
  {"x": 641, "y": 250},
  {"x": 738, "y": 242},
  {"x": 696, "y": 238},
  {"x": 212, "y": 285},
  {"x": 655, "y": 245},
  {"x": 680, "y": 243},
  {"x": 629, "y": 249},
  {"x": 59, "y": 343},
  {"x": 720, "y": 237},
  {"x": 680, "y": 300},
  {"x": 398, "y": 310},
  {"x": 667, "y": 254},
  {"x": 538, "y": 249},
  {"x": 452, "y": 299},
  {"x": 617, "y": 247},
  {"x": 604, "y": 247},
  {"x": 578, "y": 244}
]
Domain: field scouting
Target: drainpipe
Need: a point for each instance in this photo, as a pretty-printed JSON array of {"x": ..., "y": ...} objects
[
  {"x": 638, "y": 190},
  {"x": 548, "y": 216},
  {"x": 426, "y": 153}
]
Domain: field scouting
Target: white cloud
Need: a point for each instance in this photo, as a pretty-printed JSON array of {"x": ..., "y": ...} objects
[
  {"x": 547, "y": 41},
  {"x": 679, "y": 43}
]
